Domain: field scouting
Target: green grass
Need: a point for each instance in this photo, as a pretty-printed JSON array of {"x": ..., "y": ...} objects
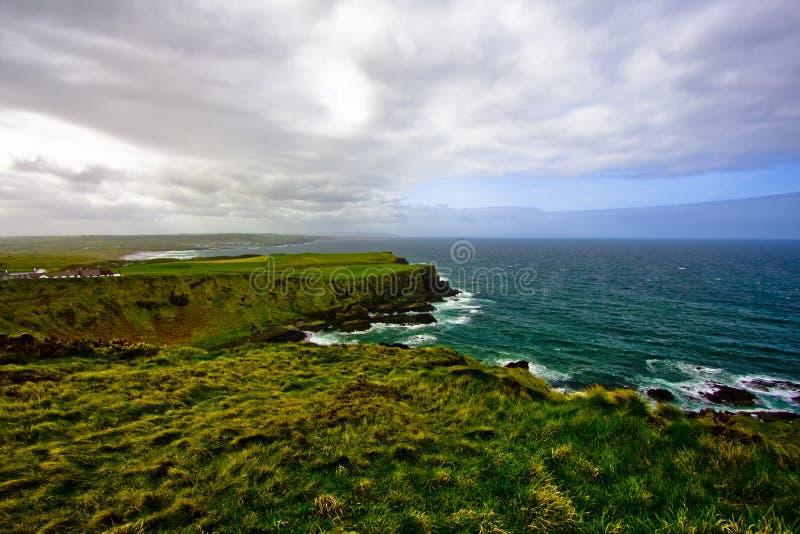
[
  {"x": 354, "y": 264},
  {"x": 301, "y": 438}
]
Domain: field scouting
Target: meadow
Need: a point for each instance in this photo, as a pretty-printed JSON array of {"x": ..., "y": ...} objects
[
  {"x": 291, "y": 265},
  {"x": 306, "y": 438}
]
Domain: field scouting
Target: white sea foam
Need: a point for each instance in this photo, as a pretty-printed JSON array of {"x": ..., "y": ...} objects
[
  {"x": 461, "y": 304},
  {"x": 377, "y": 327},
  {"x": 686, "y": 368},
  {"x": 772, "y": 393},
  {"x": 326, "y": 338},
  {"x": 457, "y": 310},
  {"x": 774, "y": 388},
  {"x": 698, "y": 370},
  {"x": 537, "y": 369},
  {"x": 462, "y": 319},
  {"x": 416, "y": 341},
  {"x": 167, "y": 254}
]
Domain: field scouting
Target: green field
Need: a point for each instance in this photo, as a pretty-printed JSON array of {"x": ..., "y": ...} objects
[
  {"x": 59, "y": 252},
  {"x": 355, "y": 264},
  {"x": 302, "y": 438}
]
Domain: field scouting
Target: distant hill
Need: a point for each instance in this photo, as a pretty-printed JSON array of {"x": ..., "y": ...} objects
[{"x": 770, "y": 217}]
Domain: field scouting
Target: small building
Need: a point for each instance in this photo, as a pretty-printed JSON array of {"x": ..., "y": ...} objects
[
  {"x": 19, "y": 276},
  {"x": 37, "y": 274},
  {"x": 72, "y": 273},
  {"x": 84, "y": 273}
]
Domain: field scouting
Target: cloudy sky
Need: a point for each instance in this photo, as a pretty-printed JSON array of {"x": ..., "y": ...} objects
[{"x": 296, "y": 116}]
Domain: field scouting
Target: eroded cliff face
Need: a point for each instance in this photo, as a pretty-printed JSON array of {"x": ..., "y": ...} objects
[{"x": 212, "y": 310}]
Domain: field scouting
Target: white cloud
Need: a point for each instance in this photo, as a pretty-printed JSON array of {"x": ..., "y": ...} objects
[{"x": 254, "y": 110}]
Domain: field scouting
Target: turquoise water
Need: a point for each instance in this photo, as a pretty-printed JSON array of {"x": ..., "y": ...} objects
[{"x": 679, "y": 315}]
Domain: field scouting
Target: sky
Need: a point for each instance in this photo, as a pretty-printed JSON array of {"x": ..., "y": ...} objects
[{"x": 360, "y": 116}]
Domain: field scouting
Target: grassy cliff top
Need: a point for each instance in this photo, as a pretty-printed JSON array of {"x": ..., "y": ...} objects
[
  {"x": 355, "y": 263},
  {"x": 299, "y": 437}
]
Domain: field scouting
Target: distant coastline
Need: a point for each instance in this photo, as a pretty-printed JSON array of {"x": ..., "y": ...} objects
[{"x": 208, "y": 252}]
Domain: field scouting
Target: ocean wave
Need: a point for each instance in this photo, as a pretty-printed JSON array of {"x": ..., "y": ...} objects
[
  {"x": 377, "y": 327},
  {"x": 166, "y": 254},
  {"x": 327, "y": 338},
  {"x": 771, "y": 392},
  {"x": 457, "y": 310},
  {"x": 457, "y": 305},
  {"x": 683, "y": 367},
  {"x": 537, "y": 369},
  {"x": 770, "y": 386},
  {"x": 462, "y": 319},
  {"x": 416, "y": 341}
]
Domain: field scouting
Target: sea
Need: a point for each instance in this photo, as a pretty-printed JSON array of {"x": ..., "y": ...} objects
[{"x": 679, "y": 315}]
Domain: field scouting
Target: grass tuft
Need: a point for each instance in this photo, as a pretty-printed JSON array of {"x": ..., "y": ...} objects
[{"x": 328, "y": 506}]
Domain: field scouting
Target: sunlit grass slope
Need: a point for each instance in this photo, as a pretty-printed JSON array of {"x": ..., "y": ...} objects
[
  {"x": 290, "y": 264},
  {"x": 301, "y": 438}
]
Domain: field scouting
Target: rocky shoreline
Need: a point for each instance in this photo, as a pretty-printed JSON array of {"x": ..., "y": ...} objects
[
  {"x": 413, "y": 309},
  {"x": 720, "y": 395}
]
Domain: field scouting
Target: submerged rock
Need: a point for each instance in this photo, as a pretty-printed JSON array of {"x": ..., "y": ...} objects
[
  {"x": 404, "y": 318},
  {"x": 729, "y": 395},
  {"x": 521, "y": 364},
  {"x": 356, "y": 325},
  {"x": 660, "y": 394},
  {"x": 763, "y": 384},
  {"x": 420, "y": 307}
]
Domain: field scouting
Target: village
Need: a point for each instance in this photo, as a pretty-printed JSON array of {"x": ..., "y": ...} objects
[{"x": 36, "y": 274}]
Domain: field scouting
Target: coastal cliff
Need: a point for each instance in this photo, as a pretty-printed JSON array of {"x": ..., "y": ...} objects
[{"x": 209, "y": 310}]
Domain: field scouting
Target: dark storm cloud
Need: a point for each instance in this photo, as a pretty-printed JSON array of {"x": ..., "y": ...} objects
[{"x": 257, "y": 110}]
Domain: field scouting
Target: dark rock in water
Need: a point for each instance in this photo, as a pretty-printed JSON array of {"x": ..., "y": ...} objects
[
  {"x": 437, "y": 289},
  {"x": 660, "y": 394},
  {"x": 521, "y": 364},
  {"x": 395, "y": 345},
  {"x": 731, "y": 396},
  {"x": 420, "y": 307},
  {"x": 404, "y": 318},
  {"x": 356, "y": 325},
  {"x": 762, "y": 384},
  {"x": 796, "y": 399},
  {"x": 285, "y": 336}
]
